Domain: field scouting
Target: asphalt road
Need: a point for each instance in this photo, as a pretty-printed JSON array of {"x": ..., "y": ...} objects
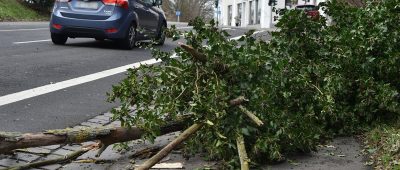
[{"x": 30, "y": 62}]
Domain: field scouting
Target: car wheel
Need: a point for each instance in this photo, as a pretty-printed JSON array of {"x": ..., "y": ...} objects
[
  {"x": 161, "y": 35},
  {"x": 129, "y": 42},
  {"x": 58, "y": 39}
]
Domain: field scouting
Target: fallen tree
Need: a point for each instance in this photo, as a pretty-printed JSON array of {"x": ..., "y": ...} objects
[{"x": 107, "y": 135}]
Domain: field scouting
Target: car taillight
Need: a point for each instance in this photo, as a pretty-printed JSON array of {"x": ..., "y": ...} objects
[
  {"x": 57, "y": 26},
  {"x": 121, "y": 3},
  {"x": 112, "y": 30}
]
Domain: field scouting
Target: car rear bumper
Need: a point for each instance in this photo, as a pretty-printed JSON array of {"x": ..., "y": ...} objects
[{"x": 73, "y": 27}]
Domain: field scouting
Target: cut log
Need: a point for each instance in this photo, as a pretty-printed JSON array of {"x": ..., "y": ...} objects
[{"x": 107, "y": 135}]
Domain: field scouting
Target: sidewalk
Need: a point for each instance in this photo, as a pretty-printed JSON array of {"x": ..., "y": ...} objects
[
  {"x": 342, "y": 153},
  {"x": 110, "y": 158}
]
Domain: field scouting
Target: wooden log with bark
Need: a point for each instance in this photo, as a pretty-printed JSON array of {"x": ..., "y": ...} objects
[{"x": 107, "y": 135}]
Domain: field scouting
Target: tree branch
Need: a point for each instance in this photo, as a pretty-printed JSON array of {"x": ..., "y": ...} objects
[
  {"x": 107, "y": 135},
  {"x": 244, "y": 159},
  {"x": 197, "y": 56},
  {"x": 166, "y": 150},
  {"x": 251, "y": 115}
]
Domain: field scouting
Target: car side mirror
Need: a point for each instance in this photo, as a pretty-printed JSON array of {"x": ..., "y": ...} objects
[{"x": 157, "y": 2}]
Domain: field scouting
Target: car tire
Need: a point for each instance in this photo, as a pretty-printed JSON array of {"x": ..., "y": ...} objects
[
  {"x": 58, "y": 39},
  {"x": 129, "y": 42},
  {"x": 161, "y": 35}
]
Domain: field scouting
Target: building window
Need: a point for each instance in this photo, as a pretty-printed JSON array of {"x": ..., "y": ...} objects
[
  {"x": 243, "y": 12},
  {"x": 230, "y": 15},
  {"x": 258, "y": 13},
  {"x": 251, "y": 16},
  {"x": 238, "y": 18}
]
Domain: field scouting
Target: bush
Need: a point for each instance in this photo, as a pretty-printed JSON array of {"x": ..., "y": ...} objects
[
  {"x": 43, "y": 6},
  {"x": 309, "y": 83}
]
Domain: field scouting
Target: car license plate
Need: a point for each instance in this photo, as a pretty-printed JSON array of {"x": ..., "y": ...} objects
[{"x": 87, "y": 5}]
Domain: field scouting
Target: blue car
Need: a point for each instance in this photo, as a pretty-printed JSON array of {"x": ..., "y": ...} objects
[{"x": 125, "y": 21}]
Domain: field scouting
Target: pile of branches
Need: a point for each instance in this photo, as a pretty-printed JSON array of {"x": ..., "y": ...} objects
[
  {"x": 247, "y": 101},
  {"x": 310, "y": 82}
]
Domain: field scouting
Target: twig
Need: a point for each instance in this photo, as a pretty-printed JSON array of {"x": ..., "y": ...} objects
[
  {"x": 63, "y": 159},
  {"x": 95, "y": 161},
  {"x": 147, "y": 152},
  {"x": 244, "y": 159},
  {"x": 183, "y": 91},
  {"x": 103, "y": 147},
  {"x": 317, "y": 89},
  {"x": 251, "y": 115},
  {"x": 176, "y": 68},
  {"x": 166, "y": 150},
  {"x": 197, "y": 79},
  {"x": 27, "y": 151}
]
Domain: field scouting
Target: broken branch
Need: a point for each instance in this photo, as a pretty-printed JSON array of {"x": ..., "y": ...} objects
[
  {"x": 244, "y": 159},
  {"x": 166, "y": 150},
  {"x": 251, "y": 115},
  {"x": 238, "y": 101},
  {"x": 147, "y": 152},
  {"x": 197, "y": 56},
  {"x": 107, "y": 135}
]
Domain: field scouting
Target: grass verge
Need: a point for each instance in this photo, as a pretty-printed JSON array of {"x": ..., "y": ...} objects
[
  {"x": 383, "y": 146},
  {"x": 12, "y": 10}
]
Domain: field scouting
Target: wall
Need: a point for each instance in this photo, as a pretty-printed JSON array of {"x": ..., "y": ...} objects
[{"x": 267, "y": 17}]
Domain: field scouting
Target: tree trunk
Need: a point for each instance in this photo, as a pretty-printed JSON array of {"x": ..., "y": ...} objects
[{"x": 106, "y": 135}]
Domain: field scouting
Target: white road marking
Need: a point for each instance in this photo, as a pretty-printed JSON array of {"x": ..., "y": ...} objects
[
  {"x": 27, "y": 42},
  {"x": 15, "y": 97},
  {"x": 29, "y": 29}
]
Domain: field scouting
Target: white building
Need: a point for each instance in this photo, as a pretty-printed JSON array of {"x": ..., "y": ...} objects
[{"x": 257, "y": 13}]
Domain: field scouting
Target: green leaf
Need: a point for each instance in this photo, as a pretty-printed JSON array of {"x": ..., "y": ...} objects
[{"x": 245, "y": 131}]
